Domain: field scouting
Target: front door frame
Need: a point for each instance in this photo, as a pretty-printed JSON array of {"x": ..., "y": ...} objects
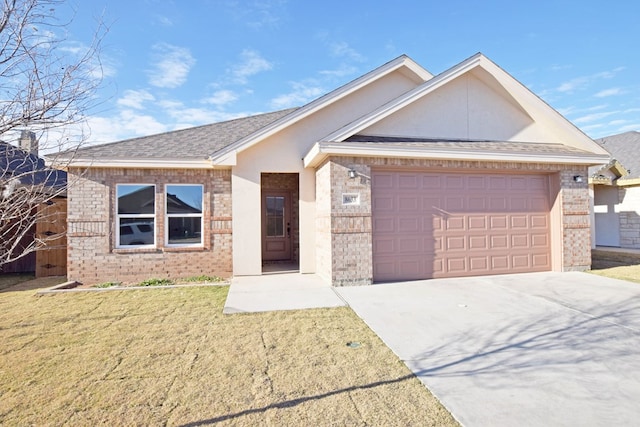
[{"x": 279, "y": 247}]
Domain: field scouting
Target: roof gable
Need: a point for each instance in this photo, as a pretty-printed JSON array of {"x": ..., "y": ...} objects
[
  {"x": 403, "y": 64},
  {"x": 624, "y": 147},
  {"x": 536, "y": 120}
]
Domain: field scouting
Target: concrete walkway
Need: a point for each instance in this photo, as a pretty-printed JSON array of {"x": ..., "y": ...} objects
[{"x": 285, "y": 291}]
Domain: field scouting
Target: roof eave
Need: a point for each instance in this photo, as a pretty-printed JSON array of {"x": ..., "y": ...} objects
[
  {"x": 148, "y": 163},
  {"x": 321, "y": 150}
]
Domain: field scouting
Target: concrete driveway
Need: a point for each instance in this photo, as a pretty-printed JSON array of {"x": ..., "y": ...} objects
[{"x": 540, "y": 349}]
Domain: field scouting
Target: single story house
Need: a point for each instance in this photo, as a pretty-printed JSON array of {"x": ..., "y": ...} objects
[
  {"x": 397, "y": 175},
  {"x": 615, "y": 191}
]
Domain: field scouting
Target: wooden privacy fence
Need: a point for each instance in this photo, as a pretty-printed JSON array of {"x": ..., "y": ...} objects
[{"x": 52, "y": 260}]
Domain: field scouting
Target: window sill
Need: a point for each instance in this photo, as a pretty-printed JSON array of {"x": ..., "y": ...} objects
[{"x": 147, "y": 250}]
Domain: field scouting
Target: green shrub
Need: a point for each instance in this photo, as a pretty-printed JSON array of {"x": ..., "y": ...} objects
[
  {"x": 156, "y": 282},
  {"x": 107, "y": 285},
  {"x": 203, "y": 279}
]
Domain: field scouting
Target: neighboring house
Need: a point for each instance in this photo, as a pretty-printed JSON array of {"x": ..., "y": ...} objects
[
  {"x": 396, "y": 175},
  {"x": 21, "y": 168},
  {"x": 616, "y": 193}
]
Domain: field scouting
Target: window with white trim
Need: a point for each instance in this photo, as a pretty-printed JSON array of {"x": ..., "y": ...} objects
[
  {"x": 136, "y": 215},
  {"x": 183, "y": 214}
]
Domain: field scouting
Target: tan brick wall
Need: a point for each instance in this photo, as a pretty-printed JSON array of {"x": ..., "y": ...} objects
[
  {"x": 576, "y": 220},
  {"x": 629, "y": 199},
  {"x": 351, "y": 228},
  {"x": 92, "y": 256}
]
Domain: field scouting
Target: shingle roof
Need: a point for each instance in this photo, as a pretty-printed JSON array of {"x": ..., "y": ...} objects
[
  {"x": 28, "y": 168},
  {"x": 466, "y": 145},
  {"x": 193, "y": 143},
  {"x": 625, "y": 148}
]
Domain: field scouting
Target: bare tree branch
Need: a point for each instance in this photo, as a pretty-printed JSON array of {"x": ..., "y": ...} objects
[{"x": 47, "y": 87}]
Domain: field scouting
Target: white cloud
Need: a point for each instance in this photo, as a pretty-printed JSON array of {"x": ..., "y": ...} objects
[
  {"x": 165, "y": 21},
  {"x": 221, "y": 97},
  {"x": 343, "y": 50},
  {"x": 258, "y": 14},
  {"x": 627, "y": 128},
  {"x": 609, "y": 92},
  {"x": 171, "y": 65},
  {"x": 126, "y": 124},
  {"x": 301, "y": 94},
  {"x": 593, "y": 117},
  {"x": 343, "y": 71},
  {"x": 584, "y": 81},
  {"x": 135, "y": 98},
  {"x": 251, "y": 63}
]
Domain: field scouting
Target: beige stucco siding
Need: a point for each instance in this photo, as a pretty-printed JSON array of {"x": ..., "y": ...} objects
[{"x": 283, "y": 153}]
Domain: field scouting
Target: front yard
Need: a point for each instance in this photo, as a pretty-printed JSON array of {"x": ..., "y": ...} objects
[{"x": 170, "y": 357}]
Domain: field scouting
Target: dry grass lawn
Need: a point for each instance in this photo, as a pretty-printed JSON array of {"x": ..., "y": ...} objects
[
  {"x": 630, "y": 273},
  {"x": 170, "y": 357}
]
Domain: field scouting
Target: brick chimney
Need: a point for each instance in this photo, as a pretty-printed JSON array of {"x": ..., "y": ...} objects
[{"x": 28, "y": 142}]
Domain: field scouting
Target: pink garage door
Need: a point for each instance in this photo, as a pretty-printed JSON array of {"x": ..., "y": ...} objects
[{"x": 428, "y": 225}]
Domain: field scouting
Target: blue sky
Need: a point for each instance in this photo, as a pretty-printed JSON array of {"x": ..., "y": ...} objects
[{"x": 175, "y": 64}]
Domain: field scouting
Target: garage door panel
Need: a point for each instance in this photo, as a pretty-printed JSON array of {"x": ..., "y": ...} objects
[
  {"x": 492, "y": 224},
  {"x": 431, "y": 181},
  {"x": 539, "y": 240},
  {"x": 518, "y": 204},
  {"x": 455, "y": 224},
  {"x": 454, "y": 182},
  {"x": 384, "y": 225},
  {"x": 383, "y": 180},
  {"x": 539, "y": 221},
  {"x": 410, "y": 245},
  {"x": 519, "y": 241},
  {"x": 383, "y": 204},
  {"x": 455, "y": 243},
  {"x": 477, "y": 204},
  {"x": 498, "y": 204},
  {"x": 407, "y": 182},
  {"x": 384, "y": 246},
  {"x": 454, "y": 204},
  {"x": 497, "y": 183},
  {"x": 456, "y": 264},
  {"x": 409, "y": 224},
  {"x": 479, "y": 263},
  {"x": 478, "y": 242},
  {"x": 477, "y": 183},
  {"x": 519, "y": 221},
  {"x": 498, "y": 222},
  {"x": 499, "y": 241},
  {"x": 477, "y": 222},
  {"x": 520, "y": 261}
]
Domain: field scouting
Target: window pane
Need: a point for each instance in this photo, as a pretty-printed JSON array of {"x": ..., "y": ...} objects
[
  {"x": 136, "y": 199},
  {"x": 136, "y": 231},
  {"x": 184, "y": 199},
  {"x": 275, "y": 216},
  {"x": 185, "y": 230}
]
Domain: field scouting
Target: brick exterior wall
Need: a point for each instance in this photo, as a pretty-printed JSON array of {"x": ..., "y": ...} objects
[
  {"x": 629, "y": 200},
  {"x": 92, "y": 256},
  {"x": 344, "y": 239},
  {"x": 576, "y": 220}
]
